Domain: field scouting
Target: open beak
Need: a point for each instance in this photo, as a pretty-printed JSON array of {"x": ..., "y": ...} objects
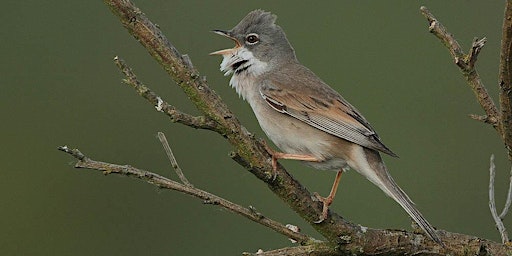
[{"x": 226, "y": 51}]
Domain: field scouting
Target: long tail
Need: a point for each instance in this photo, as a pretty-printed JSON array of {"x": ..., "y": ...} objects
[{"x": 370, "y": 164}]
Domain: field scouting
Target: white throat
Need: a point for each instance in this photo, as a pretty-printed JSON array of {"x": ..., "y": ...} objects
[{"x": 244, "y": 67}]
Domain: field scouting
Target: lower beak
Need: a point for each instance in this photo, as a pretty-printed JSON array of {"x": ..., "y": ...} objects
[{"x": 226, "y": 51}]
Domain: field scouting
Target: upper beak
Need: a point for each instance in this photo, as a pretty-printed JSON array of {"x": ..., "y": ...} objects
[{"x": 228, "y": 35}]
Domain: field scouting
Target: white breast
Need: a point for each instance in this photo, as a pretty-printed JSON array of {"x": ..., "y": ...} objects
[{"x": 244, "y": 67}]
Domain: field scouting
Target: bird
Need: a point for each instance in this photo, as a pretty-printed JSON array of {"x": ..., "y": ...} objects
[{"x": 302, "y": 115}]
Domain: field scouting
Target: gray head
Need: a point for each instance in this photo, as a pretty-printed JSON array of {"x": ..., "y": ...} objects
[{"x": 259, "y": 34}]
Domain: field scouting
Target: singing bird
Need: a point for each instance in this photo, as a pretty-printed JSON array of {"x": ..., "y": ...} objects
[{"x": 304, "y": 117}]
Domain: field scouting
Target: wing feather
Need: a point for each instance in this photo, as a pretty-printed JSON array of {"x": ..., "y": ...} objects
[{"x": 332, "y": 114}]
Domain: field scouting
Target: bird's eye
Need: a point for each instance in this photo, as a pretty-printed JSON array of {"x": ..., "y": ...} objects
[{"x": 252, "y": 38}]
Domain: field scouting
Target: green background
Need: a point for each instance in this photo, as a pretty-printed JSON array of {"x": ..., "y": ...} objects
[{"x": 59, "y": 86}]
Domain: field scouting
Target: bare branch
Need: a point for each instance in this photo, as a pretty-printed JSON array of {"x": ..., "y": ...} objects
[
  {"x": 163, "y": 182},
  {"x": 320, "y": 249},
  {"x": 508, "y": 202},
  {"x": 172, "y": 159},
  {"x": 505, "y": 79},
  {"x": 187, "y": 61},
  {"x": 160, "y": 105},
  {"x": 476, "y": 47},
  {"x": 178, "y": 66},
  {"x": 466, "y": 63},
  {"x": 73, "y": 152},
  {"x": 440, "y": 32},
  {"x": 492, "y": 203},
  {"x": 484, "y": 119},
  {"x": 502, "y": 122}
]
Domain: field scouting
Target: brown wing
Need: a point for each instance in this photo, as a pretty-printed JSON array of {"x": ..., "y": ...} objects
[{"x": 331, "y": 114}]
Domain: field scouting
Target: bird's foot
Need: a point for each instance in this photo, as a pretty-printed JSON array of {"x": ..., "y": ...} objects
[
  {"x": 274, "y": 158},
  {"x": 326, "y": 201}
]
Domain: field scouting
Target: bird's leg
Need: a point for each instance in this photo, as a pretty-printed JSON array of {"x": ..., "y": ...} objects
[
  {"x": 280, "y": 155},
  {"x": 327, "y": 201}
]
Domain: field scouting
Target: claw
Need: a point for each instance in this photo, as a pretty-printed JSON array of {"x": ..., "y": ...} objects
[
  {"x": 274, "y": 159},
  {"x": 326, "y": 201}
]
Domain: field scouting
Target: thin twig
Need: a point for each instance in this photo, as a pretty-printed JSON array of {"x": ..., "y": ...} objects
[
  {"x": 502, "y": 122},
  {"x": 74, "y": 152},
  {"x": 172, "y": 159},
  {"x": 483, "y": 118},
  {"x": 176, "y": 115},
  {"x": 492, "y": 202},
  {"x": 509, "y": 199},
  {"x": 466, "y": 63},
  {"x": 476, "y": 47},
  {"x": 307, "y": 250},
  {"x": 163, "y": 182}
]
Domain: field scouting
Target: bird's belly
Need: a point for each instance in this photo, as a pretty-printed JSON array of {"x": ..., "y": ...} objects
[{"x": 293, "y": 136}]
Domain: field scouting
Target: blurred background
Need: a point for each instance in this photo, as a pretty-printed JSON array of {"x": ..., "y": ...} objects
[{"x": 59, "y": 86}]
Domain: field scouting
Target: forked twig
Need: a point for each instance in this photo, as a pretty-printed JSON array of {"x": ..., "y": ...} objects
[
  {"x": 492, "y": 203},
  {"x": 466, "y": 64},
  {"x": 500, "y": 121}
]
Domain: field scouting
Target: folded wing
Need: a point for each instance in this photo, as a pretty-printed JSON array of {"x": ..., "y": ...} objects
[{"x": 331, "y": 114}]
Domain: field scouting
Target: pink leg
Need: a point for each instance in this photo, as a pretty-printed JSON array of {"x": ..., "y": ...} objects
[
  {"x": 327, "y": 201},
  {"x": 281, "y": 155}
]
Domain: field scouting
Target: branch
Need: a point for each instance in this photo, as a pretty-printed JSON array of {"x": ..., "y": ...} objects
[
  {"x": 172, "y": 159},
  {"x": 163, "y": 182},
  {"x": 307, "y": 250},
  {"x": 466, "y": 64},
  {"x": 160, "y": 105},
  {"x": 484, "y": 118},
  {"x": 505, "y": 79},
  {"x": 508, "y": 201},
  {"x": 501, "y": 122},
  {"x": 178, "y": 66},
  {"x": 492, "y": 203}
]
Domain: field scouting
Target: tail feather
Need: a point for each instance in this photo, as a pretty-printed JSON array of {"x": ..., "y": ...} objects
[
  {"x": 375, "y": 171},
  {"x": 401, "y": 198}
]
